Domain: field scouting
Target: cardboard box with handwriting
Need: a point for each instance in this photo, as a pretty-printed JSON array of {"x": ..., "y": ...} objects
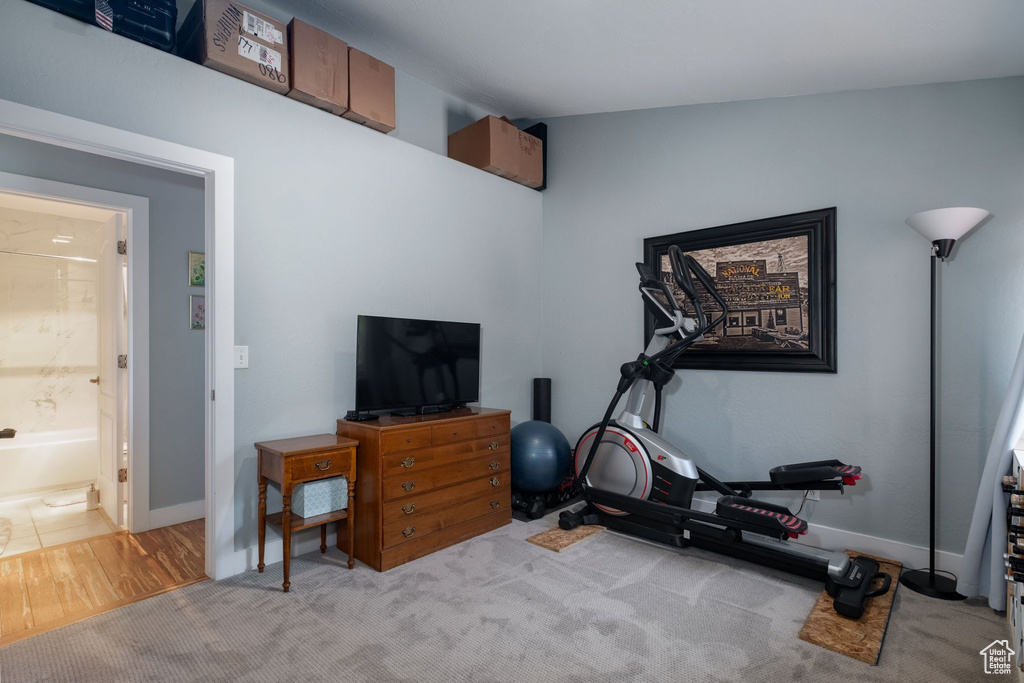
[{"x": 236, "y": 40}]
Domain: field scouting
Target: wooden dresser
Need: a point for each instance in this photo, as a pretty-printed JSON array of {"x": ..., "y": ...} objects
[{"x": 428, "y": 482}]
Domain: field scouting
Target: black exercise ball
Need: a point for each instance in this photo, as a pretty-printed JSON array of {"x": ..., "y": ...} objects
[{"x": 540, "y": 457}]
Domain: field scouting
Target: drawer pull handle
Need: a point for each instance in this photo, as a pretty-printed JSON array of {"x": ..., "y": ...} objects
[
  {"x": 408, "y": 531},
  {"x": 408, "y": 462},
  {"x": 408, "y": 440},
  {"x": 493, "y": 446},
  {"x": 408, "y": 486},
  {"x": 494, "y": 465},
  {"x": 323, "y": 465},
  {"x": 494, "y": 504},
  {"x": 495, "y": 481},
  {"x": 455, "y": 433},
  {"x": 409, "y": 508}
]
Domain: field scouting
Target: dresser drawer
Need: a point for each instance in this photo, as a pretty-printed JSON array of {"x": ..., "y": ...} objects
[
  {"x": 489, "y": 426},
  {"x": 401, "y": 531},
  {"x": 419, "y": 482},
  {"x": 402, "y": 464},
  {"x": 321, "y": 465},
  {"x": 408, "y": 510},
  {"x": 449, "y": 433},
  {"x": 404, "y": 440}
]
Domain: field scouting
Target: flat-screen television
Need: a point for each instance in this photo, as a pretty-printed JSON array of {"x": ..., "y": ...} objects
[{"x": 416, "y": 366}]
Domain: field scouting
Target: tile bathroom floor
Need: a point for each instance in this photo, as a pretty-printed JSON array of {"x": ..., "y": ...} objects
[{"x": 36, "y": 525}]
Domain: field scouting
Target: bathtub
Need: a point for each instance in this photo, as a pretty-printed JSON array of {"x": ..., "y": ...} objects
[{"x": 45, "y": 461}]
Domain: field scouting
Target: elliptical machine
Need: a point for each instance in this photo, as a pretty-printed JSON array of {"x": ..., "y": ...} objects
[{"x": 635, "y": 481}]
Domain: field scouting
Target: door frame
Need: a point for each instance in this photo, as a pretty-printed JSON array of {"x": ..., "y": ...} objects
[
  {"x": 218, "y": 174},
  {"x": 136, "y": 210}
]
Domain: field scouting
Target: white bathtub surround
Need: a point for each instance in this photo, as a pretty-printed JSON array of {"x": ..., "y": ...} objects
[
  {"x": 48, "y": 351},
  {"x": 35, "y": 525}
]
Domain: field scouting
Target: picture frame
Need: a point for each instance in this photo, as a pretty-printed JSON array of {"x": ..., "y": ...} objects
[
  {"x": 196, "y": 269},
  {"x": 197, "y": 312},
  {"x": 778, "y": 278}
]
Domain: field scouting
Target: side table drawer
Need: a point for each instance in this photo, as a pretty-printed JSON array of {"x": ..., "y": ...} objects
[
  {"x": 321, "y": 465},
  {"x": 401, "y": 531},
  {"x": 398, "y": 487}
]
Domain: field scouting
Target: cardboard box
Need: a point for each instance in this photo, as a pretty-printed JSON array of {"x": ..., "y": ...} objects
[
  {"x": 320, "y": 497},
  {"x": 531, "y": 160},
  {"x": 491, "y": 144},
  {"x": 318, "y": 68},
  {"x": 371, "y": 92},
  {"x": 233, "y": 39}
]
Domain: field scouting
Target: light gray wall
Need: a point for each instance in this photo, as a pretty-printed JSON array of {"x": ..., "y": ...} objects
[
  {"x": 879, "y": 156},
  {"x": 332, "y": 220},
  {"x": 176, "y": 472}
]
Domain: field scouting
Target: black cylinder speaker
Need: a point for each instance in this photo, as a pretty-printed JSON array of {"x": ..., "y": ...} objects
[{"x": 542, "y": 399}]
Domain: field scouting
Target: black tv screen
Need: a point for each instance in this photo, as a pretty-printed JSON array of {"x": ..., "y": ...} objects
[{"x": 403, "y": 363}]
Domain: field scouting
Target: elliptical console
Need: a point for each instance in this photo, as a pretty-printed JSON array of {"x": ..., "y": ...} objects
[{"x": 635, "y": 481}]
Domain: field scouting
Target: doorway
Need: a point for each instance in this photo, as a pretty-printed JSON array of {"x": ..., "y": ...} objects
[
  {"x": 216, "y": 172},
  {"x": 64, "y": 316}
]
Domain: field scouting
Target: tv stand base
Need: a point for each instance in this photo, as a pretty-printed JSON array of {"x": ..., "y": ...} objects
[{"x": 426, "y": 410}]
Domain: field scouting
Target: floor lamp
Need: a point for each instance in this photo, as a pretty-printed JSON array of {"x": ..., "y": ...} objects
[{"x": 941, "y": 227}]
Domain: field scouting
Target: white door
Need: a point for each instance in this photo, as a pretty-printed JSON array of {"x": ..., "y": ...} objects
[{"x": 113, "y": 380}]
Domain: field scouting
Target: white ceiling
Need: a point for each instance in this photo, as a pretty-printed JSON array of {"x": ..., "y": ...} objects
[{"x": 539, "y": 58}]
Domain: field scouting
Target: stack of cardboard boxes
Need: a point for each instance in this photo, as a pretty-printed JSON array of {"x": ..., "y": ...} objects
[
  {"x": 302, "y": 62},
  {"x": 497, "y": 146}
]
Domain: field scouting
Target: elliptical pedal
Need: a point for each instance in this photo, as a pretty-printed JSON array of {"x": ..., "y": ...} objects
[
  {"x": 775, "y": 518},
  {"x": 812, "y": 472}
]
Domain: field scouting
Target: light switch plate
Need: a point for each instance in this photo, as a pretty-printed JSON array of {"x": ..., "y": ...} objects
[{"x": 241, "y": 357}]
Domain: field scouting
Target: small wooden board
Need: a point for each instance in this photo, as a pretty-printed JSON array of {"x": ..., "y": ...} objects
[
  {"x": 861, "y": 638},
  {"x": 558, "y": 539}
]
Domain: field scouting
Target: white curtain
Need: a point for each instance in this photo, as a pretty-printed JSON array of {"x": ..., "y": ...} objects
[{"x": 982, "y": 569}]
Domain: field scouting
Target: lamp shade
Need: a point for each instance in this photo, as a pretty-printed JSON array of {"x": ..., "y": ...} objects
[{"x": 946, "y": 224}]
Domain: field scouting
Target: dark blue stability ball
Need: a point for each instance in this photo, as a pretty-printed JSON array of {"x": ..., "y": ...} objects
[{"x": 540, "y": 457}]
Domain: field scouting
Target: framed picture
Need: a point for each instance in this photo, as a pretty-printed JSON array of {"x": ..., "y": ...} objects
[
  {"x": 778, "y": 279},
  {"x": 196, "y": 269},
  {"x": 197, "y": 312}
]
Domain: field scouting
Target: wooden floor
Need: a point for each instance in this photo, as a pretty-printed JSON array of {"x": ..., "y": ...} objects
[{"x": 45, "y": 589}]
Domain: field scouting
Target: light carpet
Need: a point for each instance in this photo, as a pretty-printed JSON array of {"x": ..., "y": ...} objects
[{"x": 496, "y": 608}]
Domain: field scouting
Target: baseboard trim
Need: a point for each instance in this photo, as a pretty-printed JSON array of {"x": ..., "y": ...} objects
[
  {"x": 820, "y": 536},
  {"x": 176, "y": 514}
]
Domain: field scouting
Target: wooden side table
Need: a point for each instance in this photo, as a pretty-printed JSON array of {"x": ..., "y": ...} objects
[{"x": 301, "y": 459}]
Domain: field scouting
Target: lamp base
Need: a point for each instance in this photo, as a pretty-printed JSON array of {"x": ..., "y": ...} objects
[{"x": 934, "y": 586}]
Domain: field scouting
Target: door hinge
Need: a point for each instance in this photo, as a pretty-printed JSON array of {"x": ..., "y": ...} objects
[
  {"x": 122, "y": 247},
  {"x": 213, "y": 394},
  {"x": 122, "y": 475},
  {"x": 122, "y": 361}
]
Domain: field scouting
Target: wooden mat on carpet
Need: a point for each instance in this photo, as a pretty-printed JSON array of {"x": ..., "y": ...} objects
[
  {"x": 558, "y": 539},
  {"x": 861, "y": 638}
]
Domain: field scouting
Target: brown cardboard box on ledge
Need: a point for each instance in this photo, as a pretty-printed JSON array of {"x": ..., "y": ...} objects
[
  {"x": 319, "y": 68},
  {"x": 531, "y": 160},
  {"x": 490, "y": 144},
  {"x": 371, "y": 92},
  {"x": 236, "y": 40}
]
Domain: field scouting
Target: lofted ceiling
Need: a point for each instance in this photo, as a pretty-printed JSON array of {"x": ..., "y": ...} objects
[{"x": 539, "y": 58}]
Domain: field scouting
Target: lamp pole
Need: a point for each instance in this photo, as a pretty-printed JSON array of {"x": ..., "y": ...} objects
[{"x": 942, "y": 227}]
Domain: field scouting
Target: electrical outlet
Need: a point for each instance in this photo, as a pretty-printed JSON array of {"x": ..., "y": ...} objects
[
  {"x": 812, "y": 495},
  {"x": 242, "y": 357}
]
